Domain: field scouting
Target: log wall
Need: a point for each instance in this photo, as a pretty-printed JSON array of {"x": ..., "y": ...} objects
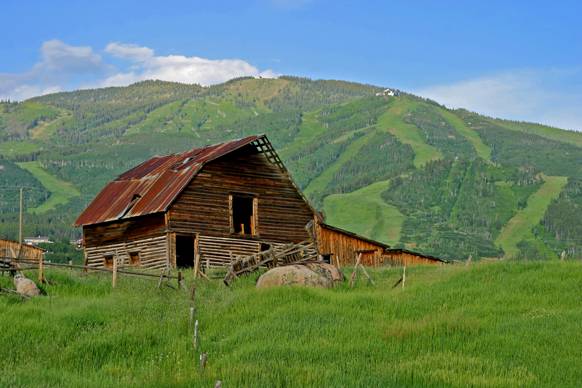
[
  {"x": 152, "y": 253},
  {"x": 124, "y": 231},
  {"x": 203, "y": 207}
]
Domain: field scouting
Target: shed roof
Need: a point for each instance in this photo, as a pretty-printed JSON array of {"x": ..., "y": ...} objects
[
  {"x": 354, "y": 235},
  {"x": 423, "y": 255},
  {"x": 152, "y": 186}
]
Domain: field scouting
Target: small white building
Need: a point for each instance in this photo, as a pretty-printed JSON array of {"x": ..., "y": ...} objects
[{"x": 37, "y": 240}]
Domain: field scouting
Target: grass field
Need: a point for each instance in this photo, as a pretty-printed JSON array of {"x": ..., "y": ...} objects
[
  {"x": 365, "y": 212},
  {"x": 519, "y": 227},
  {"x": 499, "y": 324},
  {"x": 407, "y": 133},
  {"x": 61, "y": 192},
  {"x": 571, "y": 137}
]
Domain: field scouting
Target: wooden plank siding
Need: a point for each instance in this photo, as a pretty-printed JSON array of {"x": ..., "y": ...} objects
[
  {"x": 12, "y": 249},
  {"x": 153, "y": 225},
  {"x": 344, "y": 247},
  {"x": 203, "y": 206},
  {"x": 151, "y": 251}
]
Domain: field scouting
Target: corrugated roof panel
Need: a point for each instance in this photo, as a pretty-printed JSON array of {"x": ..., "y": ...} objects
[{"x": 153, "y": 185}]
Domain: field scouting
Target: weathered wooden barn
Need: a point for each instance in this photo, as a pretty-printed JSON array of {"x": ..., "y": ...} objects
[
  {"x": 10, "y": 249},
  {"x": 217, "y": 201},
  {"x": 343, "y": 247},
  {"x": 214, "y": 202}
]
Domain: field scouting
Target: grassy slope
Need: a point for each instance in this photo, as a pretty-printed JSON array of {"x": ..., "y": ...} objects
[
  {"x": 323, "y": 180},
  {"x": 499, "y": 324},
  {"x": 61, "y": 191},
  {"x": 11, "y": 149},
  {"x": 364, "y": 212},
  {"x": 393, "y": 121},
  {"x": 309, "y": 130},
  {"x": 571, "y": 137},
  {"x": 471, "y": 135},
  {"x": 519, "y": 227}
]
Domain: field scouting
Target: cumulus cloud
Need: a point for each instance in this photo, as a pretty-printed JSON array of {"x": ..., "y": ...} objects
[
  {"x": 67, "y": 67},
  {"x": 177, "y": 68},
  {"x": 59, "y": 65},
  {"x": 129, "y": 51},
  {"x": 539, "y": 96}
]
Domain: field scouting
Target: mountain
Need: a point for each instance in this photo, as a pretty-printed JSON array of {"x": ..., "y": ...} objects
[{"x": 397, "y": 168}]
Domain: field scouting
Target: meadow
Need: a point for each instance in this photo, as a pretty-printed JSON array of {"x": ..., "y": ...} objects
[{"x": 486, "y": 324}]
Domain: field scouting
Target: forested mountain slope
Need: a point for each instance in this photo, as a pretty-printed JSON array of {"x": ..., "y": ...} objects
[{"x": 400, "y": 169}]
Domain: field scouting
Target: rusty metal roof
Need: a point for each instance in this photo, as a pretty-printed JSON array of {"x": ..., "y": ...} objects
[{"x": 152, "y": 186}]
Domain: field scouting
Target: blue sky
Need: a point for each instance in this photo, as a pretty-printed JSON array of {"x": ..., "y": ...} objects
[{"x": 513, "y": 59}]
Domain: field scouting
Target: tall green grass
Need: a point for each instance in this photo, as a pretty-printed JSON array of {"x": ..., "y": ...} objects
[{"x": 498, "y": 324}]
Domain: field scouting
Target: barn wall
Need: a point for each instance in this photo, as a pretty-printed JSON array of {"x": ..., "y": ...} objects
[
  {"x": 344, "y": 247},
  {"x": 11, "y": 249},
  {"x": 124, "y": 231},
  {"x": 152, "y": 253},
  {"x": 203, "y": 207}
]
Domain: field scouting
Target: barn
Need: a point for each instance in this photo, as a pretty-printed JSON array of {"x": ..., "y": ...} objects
[
  {"x": 343, "y": 247},
  {"x": 213, "y": 202},
  {"x": 10, "y": 249}
]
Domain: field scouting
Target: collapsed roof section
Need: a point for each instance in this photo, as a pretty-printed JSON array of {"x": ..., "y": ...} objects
[{"x": 152, "y": 186}]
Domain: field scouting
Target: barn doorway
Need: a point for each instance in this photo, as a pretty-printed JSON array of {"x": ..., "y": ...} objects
[
  {"x": 184, "y": 251},
  {"x": 243, "y": 210}
]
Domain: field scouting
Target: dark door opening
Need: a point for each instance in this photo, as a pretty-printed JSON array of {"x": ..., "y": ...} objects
[
  {"x": 184, "y": 251},
  {"x": 243, "y": 215}
]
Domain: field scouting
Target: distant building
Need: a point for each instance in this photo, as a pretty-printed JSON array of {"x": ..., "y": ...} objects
[
  {"x": 37, "y": 240},
  {"x": 388, "y": 92}
]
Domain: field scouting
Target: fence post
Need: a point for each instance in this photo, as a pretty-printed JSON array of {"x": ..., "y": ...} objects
[
  {"x": 114, "y": 275},
  {"x": 403, "y": 276},
  {"x": 195, "y": 338},
  {"x": 41, "y": 269}
]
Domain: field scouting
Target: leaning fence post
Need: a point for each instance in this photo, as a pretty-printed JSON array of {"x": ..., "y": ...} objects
[
  {"x": 195, "y": 338},
  {"x": 114, "y": 274},
  {"x": 191, "y": 319},
  {"x": 41, "y": 269}
]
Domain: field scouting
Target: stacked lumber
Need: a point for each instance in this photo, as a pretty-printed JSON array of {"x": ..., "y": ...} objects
[{"x": 275, "y": 256}]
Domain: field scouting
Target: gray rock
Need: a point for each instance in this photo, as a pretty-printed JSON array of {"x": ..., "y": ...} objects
[
  {"x": 25, "y": 286},
  {"x": 308, "y": 275}
]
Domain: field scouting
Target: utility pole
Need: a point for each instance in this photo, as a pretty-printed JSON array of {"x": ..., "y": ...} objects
[{"x": 20, "y": 221}]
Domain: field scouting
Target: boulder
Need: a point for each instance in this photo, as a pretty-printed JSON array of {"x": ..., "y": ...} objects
[
  {"x": 326, "y": 270},
  {"x": 293, "y": 275},
  {"x": 25, "y": 286}
]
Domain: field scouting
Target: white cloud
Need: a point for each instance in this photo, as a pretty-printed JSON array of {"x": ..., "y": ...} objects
[
  {"x": 129, "y": 51},
  {"x": 66, "y": 67},
  {"x": 60, "y": 65},
  {"x": 178, "y": 68},
  {"x": 538, "y": 96}
]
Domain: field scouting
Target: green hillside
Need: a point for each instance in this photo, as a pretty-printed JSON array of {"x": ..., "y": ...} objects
[
  {"x": 458, "y": 180},
  {"x": 455, "y": 325}
]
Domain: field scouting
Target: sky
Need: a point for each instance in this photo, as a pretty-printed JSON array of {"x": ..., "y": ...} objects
[{"x": 519, "y": 60}]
